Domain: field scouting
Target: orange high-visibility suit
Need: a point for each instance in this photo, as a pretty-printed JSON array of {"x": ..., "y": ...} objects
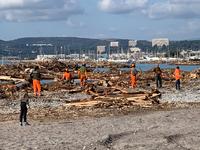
[
  {"x": 82, "y": 75},
  {"x": 36, "y": 76},
  {"x": 79, "y": 74},
  {"x": 67, "y": 76},
  {"x": 133, "y": 77},
  {"x": 82, "y": 79},
  {"x": 133, "y": 81},
  {"x": 36, "y": 87},
  {"x": 177, "y": 74}
]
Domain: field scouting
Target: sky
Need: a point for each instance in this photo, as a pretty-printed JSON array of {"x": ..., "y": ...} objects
[{"x": 102, "y": 19}]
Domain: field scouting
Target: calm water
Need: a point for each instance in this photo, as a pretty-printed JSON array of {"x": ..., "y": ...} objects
[
  {"x": 146, "y": 67},
  {"x": 143, "y": 67},
  {"x": 3, "y": 62}
]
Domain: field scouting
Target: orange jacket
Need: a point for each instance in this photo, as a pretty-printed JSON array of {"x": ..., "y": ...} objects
[
  {"x": 67, "y": 76},
  {"x": 177, "y": 74}
]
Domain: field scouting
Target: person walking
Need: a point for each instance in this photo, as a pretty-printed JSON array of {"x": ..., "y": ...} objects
[
  {"x": 82, "y": 75},
  {"x": 36, "y": 77},
  {"x": 133, "y": 74},
  {"x": 24, "y": 102},
  {"x": 177, "y": 75},
  {"x": 158, "y": 78}
]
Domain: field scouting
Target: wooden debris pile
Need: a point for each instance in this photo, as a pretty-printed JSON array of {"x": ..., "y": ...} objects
[
  {"x": 2, "y": 94},
  {"x": 116, "y": 97},
  {"x": 9, "y": 85},
  {"x": 195, "y": 74}
]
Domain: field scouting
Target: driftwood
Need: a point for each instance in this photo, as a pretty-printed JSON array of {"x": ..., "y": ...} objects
[
  {"x": 76, "y": 90},
  {"x": 143, "y": 97},
  {"x": 10, "y": 78},
  {"x": 142, "y": 100},
  {"x": 83, "y": 103},
  {"x": 15, "y": 83},
  {"x": 129, "y": 90}
]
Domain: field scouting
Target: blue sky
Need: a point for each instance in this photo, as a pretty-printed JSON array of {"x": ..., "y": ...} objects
[{"x": 129, "y": 19}]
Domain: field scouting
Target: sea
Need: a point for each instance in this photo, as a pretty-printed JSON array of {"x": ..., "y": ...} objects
[{"x": 143, "y": 67}]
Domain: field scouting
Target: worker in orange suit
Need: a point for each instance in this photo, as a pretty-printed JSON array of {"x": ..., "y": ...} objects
[
  {"x": 133, "y": 75},
  {"x": 82, "y": 75},
  {"x": 67, "y": 76},
  {"x": 36, "y": 77},
  {"x": 177, "y": 75}
]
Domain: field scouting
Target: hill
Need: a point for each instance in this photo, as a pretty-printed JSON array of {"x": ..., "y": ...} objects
[{"x": 32, "y": 46}]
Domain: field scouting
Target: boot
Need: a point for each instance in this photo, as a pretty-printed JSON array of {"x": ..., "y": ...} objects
[{"x": 27, "y": 124}]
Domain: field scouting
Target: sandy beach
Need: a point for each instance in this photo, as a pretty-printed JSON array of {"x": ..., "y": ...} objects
[{"x": 175, "y": 129}]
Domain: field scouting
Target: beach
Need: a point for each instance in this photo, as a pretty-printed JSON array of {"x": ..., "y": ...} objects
[
  {"x": 173, "y": 129},
  {"x": 102, "y": 115}
]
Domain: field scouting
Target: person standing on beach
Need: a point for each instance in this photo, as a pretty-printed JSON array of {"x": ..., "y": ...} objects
[
  {"x": 83, "y": 75},
  {"x": 24, "y": 102},
  {"x": 177, "y": 75},
  {"x": 36, "y": 77},
  {"x": 158, "y": 78},
  {"x": 133, "y": 75}
]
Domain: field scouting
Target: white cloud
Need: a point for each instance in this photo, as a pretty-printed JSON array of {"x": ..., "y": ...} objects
[
  {"x": 186, "y": 29},
  {"x": 38, "y": 10},
  {"x": 159, "y": 9},
  {"x": 121, "y": 6},
  {"x": 75, "y": 24},
  {"x": 11, "y": 3},
  {"x": 174, "y": 9}
]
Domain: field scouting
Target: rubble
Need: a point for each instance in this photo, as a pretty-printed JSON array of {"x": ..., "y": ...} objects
[
  {"x": 104, "y": 90},
  {"x": 195, "y": 74}
]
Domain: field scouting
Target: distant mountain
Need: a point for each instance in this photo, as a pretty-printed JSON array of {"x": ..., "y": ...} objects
[
  {"x": 32, "y": 46},
  {"x": 1, "y": 41},
  {"x": 194, "y": 39}
]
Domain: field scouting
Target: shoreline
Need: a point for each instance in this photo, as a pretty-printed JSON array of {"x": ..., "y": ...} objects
[{"x": 178, "y": 62}]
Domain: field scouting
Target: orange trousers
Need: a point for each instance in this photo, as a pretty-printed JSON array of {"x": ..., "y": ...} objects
[
  {"x": 133, "y": 81},
  {"x": 82, "y": 80},
  {"x": 36, "y": 87}
]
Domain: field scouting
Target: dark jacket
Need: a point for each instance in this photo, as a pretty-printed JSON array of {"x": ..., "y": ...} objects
[
  {"x": 35, "y": 75},
  {"x": 134, "y": 71},
  {"x": 24, "y": 99},
  {"x": 157, "y": 71}
]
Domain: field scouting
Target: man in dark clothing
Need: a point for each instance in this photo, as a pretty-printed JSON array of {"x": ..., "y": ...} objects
[
  {"x": 36, "y": 77},
  {"x": 76, "y": 67},
  {"x": 158, "y": 73},
  {"x": 24, "y": 102}
]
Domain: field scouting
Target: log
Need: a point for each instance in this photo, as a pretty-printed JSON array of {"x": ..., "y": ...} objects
[
  {"x": 22, "y": 84},
  {"x": 107, "y": 98},
  {"x": 77, "y": 90},
  {"x": 140, "y": 98},
  {"x": 83, "y": 104},
  {"x": 92, "y": 93},
  {"x": 10, "y": 78},
  {"x": 155, "y": 95},
  {"x": 129, "y": 90}
]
